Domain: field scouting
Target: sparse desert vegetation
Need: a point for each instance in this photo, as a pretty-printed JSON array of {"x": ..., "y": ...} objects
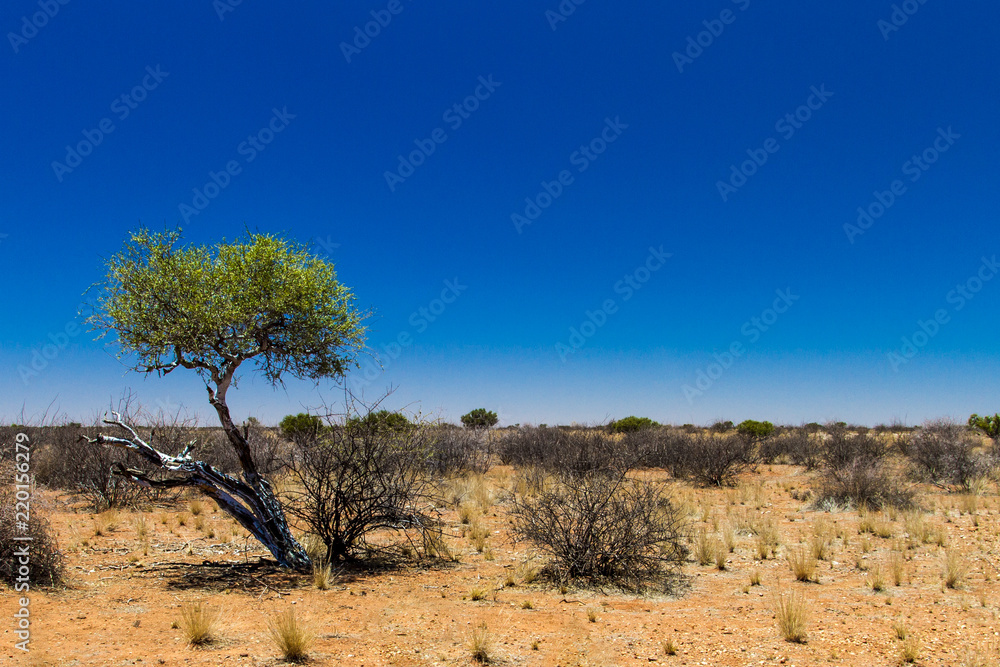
[{"x": 491, "y": 557}]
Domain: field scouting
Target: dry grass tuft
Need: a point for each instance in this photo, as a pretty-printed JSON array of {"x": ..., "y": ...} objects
[
  {"x": 910, "y": 652},
  {"x": 291, "y": 637},
  {"x": 876, "y": 577},
  {"x": 199, "y": 623},
  {"x": 803, "y": 564},
  {"x": 955, "y": 569},
  {"x": 790, "y": 612},
  {"x": 106, "y": 522},
  {"x": 481, "y": 643},
  {"x": 323, "y": 577}
]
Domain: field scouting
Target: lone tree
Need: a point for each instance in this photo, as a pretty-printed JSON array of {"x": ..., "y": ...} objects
[
  {"x": 480, "y": 418},
  {"x": 209, "y": 309}
]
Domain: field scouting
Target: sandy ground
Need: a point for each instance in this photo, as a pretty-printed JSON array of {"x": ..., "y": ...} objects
[{"x": 121, "y": 603}]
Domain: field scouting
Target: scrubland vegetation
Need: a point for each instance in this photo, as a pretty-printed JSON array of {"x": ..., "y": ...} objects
[{"x": 494, "y": 538}]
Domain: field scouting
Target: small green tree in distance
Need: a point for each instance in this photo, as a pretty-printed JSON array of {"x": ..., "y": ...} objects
[
  {"x": 208, "y": 309},
  {"x": 631, "y": 424},
  {"x": 480, "y": 418},
  {"x": 301, "y": 426},
  {"x": 756, "y": 430}
]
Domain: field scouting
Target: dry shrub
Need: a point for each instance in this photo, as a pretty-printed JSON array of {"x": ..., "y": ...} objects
[
  {"x": 459, "y": 450},
  {"x": 943, "y": 452},
  {"x": 351, "y": 481},
  {"x": 291, "y": 637},
  {"x": 47, "y": 563},
  {"x": 856, "y": 470},
  {"x": 602, "y": 526},
  {"x": 718, "y": 460},
  {"x": 564, "y": 451}
]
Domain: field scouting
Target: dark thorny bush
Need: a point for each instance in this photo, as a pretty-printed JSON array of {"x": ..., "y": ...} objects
[
  {"x": 943, "y": 452},
  {"x": 602, "y": 527},
  {"x": 353, "y": 480},
  {"x": 717, "y": 460},
  {"x": 46, "y": 561},
  {"x": 454, "y": 450},
  {"x": 795, "y": 445},
  {"x": 563, "y": 451},
  {"x": 857, "y": 469}
]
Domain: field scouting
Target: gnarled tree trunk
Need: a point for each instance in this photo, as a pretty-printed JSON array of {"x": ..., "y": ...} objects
[{"x": 251, "y": 500}]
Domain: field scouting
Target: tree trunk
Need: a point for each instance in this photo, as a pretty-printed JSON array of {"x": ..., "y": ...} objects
[{"x": 251, "y": 501}]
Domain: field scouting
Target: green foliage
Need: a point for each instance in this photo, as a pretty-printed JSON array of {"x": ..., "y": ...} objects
[
  {"x": 632, "y": 424},
  {"x": 302, "y": 425},
  {"x": 755, "y": 429},
  {"x": 211, "y": 307},
  {"x": 988, "y": 425},
  {"x": 381, "y": 421},
  {"x": 480, "y": 418}
]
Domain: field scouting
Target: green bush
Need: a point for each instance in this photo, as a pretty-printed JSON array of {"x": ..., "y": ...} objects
[
  {"x": 632, "y": 424},
  {"x": 393, "y": 422},
  {"x": 988, "y": 425},
  {"x": 480, "y": 418},
  {"x": 302, "y": 425},
  {"x": 755, "y": 429}
]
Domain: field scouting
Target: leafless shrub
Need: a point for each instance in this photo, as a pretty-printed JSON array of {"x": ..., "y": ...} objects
[
  {"x": 563, "y": 450},
  {"x": 794, "y": 444},
  {"x": 604, "y": 527},
  {"x": 856, "y": 469},
  {"x": 351, "y": 481},
  {"x": 457, "y": 450},
  {"x": 47, "y": 565},
  {"x": 718, "y": 460},
  {"x": 943, "y": 452}
]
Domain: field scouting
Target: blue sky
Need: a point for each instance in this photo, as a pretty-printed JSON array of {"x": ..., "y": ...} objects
[{"x": 628, "y": 209}]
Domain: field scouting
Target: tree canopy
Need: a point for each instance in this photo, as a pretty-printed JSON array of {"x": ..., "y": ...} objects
[
  {"x": 480, "y": 418},
  {"x": 211, "y": 307}
]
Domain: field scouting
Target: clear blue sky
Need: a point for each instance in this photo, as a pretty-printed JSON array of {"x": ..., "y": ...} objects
[{"x": 621, "y": 122}]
